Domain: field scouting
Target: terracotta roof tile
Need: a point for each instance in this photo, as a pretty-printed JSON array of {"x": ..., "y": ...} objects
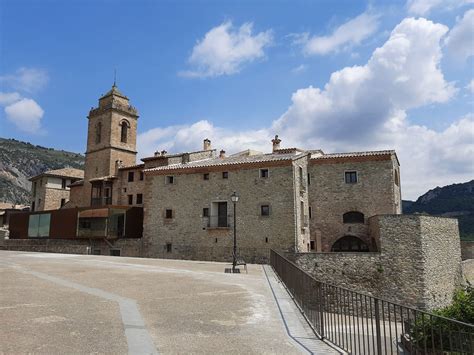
[{"x": 64, "y": 172}]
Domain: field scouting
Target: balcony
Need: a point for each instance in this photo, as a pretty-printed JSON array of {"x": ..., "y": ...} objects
[
  {"x": 101, "y": 201},
  {"x": 218, "y": 222}
]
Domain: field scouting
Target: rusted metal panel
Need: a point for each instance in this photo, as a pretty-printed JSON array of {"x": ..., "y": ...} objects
[
  {"x": 18, "y": 225},
  {"x": 134, "y": 222},
  {"x": 63, "y": 223},
  {"x": 94, "y": 213}
]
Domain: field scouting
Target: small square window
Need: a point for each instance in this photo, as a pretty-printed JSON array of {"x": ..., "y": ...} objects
[
  {"x": 142, "y": 176},
  {"x": 225, "y": 175},
  {"x": 351, "y": 177},
  {"x": 124, "y": 189},
  {"x": 205, "y": 176},
  {"x": 63, "y": 202},
  {"x": 169, "y": 214},
  {"x": 205, "y": 212},
  {"x": 139, "y": 199},
  {"x": 265, "y": 210},
  {"x": 263, "y": 173},
  {"x": 130, "y": 176},
  {"x": 169, "y": 247},
  {"x": 130, "y": 199},
  {"x": 170, "y": 179},
  {"x": 63, "y": 184},
  {"x": 115, "y": 252}
]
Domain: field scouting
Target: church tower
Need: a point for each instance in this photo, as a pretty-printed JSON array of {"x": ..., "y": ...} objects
[{"x": 111, "y": 141}]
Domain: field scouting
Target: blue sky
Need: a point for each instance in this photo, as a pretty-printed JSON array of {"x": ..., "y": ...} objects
[{"x": 339, "y": 76}]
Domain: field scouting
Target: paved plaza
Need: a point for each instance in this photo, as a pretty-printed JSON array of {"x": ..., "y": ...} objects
[{"x": 64, "y": 304}]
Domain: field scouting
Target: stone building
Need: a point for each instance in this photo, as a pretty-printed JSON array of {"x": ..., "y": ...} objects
[{"x": 50, "y": 190}]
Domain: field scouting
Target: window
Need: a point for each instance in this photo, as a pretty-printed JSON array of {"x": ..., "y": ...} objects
[
  {"x": 124, "y": 189},
  {"x": 169, "y": 247},
  {"x": 98, "y": 132},
  {"x": 115, "y": 252},
  {"x": 263, "y": 173},
  {"x": 353, "y": 217},
  {"x": 225, "y": 175},
  {"x": 63, "y": 183},
  {"x": 205, "y": 176},
  {"x": 142, "y": 175},
  {"x": 310, "y": 212},
  {"x": 130, "y": 199},
  {"x": 266, "y": 239},
  {"x": 33, "y": 206},
  {"x": 34, "y": 189},
  {"x": 311, "y": 243},
  {"x": 351, "y": 177},
  {"x": 301, "y": 175},
  {"x": 169, "y": 179},
  {"x": 63, "y": 202},
  {"x": 396, "y": 177},
  {"x": 139, "y": 199},
  {"x": 124, "y": 131},
  {"x": 205, "y": 212},
  {"x": 309, "y": 179},
  {"x": 265, "y": 210},
  {"x": 168, "y": 214},
  {"x": 130, "y": 176},
  {"x": 96, "y": 252},
  {"x": 350, "y": 243}
]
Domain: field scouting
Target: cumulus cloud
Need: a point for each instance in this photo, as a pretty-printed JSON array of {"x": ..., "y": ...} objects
[
  {"x": 26, "y": 114},
  {"x": 363, "y": 108},
  {"x": 349, "y": 34},
  {"x": 424, "y": 7},
  {"x": 470, "y": 86},
  {"x": 224, "y": 50},
  {"x": 7, "y": 98},
  {"x": 460, "y": 40},
  {"x": 26, "y": 79}
]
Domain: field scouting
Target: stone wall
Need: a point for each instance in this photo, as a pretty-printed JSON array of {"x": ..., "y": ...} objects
[
  {"x": 53, "y": 196},
  {"x": 128, "y": 247},
  {"x": 467, "y": 249},
  {"x": 330, "y": 196},
  {"x": 419, "y": 262},
  {"x": 188, "y": 233},
  {"x": 123, "y": 188}
]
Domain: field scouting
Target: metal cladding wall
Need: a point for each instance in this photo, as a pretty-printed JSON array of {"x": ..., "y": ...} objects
[
  {"x": 63, "y": 223},
  {"x": 134, "y": 222},
  {"x": 18, "y": 225}
]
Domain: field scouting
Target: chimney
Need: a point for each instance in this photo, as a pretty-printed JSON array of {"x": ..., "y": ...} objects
[
  {"x": 157, "y": 154},
  {"x": 222, "y": 154},
  {"x": 118, "y": 165},
  {"x": 207, "y": 144},
  {"x": 163, "y": 152},
  {"x": 276, "y": 143}
]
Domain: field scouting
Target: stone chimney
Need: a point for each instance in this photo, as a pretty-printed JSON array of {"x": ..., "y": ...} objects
[
  {"x": 157, "y": 154},
  {"x": 276, "y": 143},
  {"x": 222, "y": 154},
  {"x": 118, "y": 165},
  {"x": 163, "y": 152},
  {"x": 207, "y": 144}
]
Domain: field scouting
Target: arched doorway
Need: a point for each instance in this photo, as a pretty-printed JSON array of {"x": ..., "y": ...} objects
[{"x": 349, "y": 243}]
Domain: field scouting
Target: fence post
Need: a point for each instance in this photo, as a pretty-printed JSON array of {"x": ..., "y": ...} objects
[
  {"x": 321, "y": 310},
  {"x": 377, "y": 327}
]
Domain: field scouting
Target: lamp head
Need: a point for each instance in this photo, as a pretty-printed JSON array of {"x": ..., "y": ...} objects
[{"x": 234, "y": 197}]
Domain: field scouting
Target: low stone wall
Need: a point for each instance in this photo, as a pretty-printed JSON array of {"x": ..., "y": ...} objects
[
  {"x": 127, "y": 247},
  {"x": 468, "y": 271},
  {"x": 467, "y": 249},
  {"x": 419, "y": 263}
]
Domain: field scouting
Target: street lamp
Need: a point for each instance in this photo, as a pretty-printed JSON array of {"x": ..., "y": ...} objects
[{"x": 235, "y": 198}]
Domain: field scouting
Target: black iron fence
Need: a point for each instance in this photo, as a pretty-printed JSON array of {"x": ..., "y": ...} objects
[{"x": 362, "y": 324}]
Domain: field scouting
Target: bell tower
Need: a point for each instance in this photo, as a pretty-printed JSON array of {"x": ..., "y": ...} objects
[{"x": 111, "y": 137}]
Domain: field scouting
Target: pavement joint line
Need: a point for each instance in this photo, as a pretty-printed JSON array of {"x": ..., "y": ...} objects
[{"x": 138, "y": 339}]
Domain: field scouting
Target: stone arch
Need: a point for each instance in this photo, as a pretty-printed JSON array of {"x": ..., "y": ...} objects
[
  {"x": 124, "y": 127},
  {"x": 349, "y": 243},
  {"x": 353, "y": 217}
]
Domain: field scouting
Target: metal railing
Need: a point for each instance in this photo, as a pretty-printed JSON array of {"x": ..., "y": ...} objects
[
  {"x": 101, "y": 201},
  {"x": 362, "y": 324},
  {"x": 219, "y": 221}
]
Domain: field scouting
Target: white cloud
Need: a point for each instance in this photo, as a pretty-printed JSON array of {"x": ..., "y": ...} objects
[
  {"x": 7, "y": 98},
  {"x": 224, "y": 50},
  {"x": 424, "y": 7},
  {"x": 460, "y": 40},
  {"x": 363, "y": 108},
  {"x": 349, "y": 34},
  {"x": 26, "y": 114},
  {"x": 26, "y": 79},
  {"x": 299, "y": 69},
  {"x": 470, "y": 86}
]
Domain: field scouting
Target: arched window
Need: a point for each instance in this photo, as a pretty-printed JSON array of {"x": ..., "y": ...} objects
[
  {"x": 396, "y": 177},
  {"x": 98, "y": 132},
  {"x": 353, "y": 217},
  {"x": 350, "y": 243},
  {"x": 124, "y": 131}
]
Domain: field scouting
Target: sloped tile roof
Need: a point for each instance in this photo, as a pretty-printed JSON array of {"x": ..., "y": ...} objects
[
  {"x": 354, "y": 154},
  {"x": 64, "y": 172}
]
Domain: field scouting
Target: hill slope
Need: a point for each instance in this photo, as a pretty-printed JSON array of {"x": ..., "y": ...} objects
[
  {"x": 20, "y": 160},
  {"x": 455, "y": 200}
]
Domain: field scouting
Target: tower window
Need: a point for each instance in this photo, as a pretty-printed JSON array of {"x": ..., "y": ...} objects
[
  {"x": 98, "y": 132},
  {"x": 139, "y": 199},
  {"x": 351, "y": 177},
  {"x": 124, "y": 131},
  {"x": 130, "y": 176}
]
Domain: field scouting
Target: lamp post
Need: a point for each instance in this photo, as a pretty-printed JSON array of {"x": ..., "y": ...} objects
[{"x": 235, "y": 198}]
